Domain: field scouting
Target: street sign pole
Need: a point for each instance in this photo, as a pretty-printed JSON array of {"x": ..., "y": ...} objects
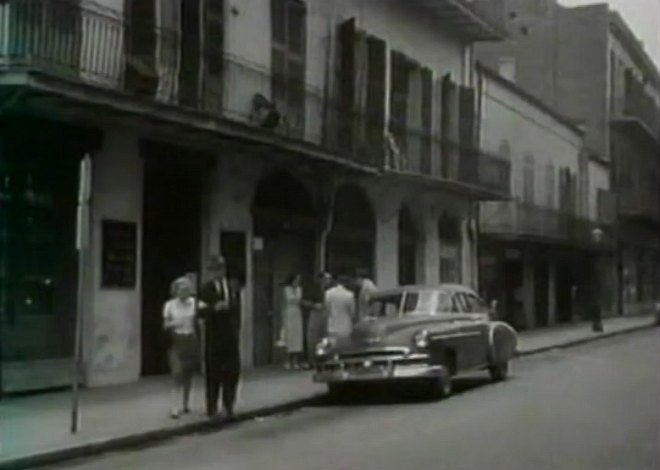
[{"x": 82, "y": 242}]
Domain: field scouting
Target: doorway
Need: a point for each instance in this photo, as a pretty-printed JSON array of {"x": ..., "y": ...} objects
[
  {"x": 285, "y": 226},
  {"x": 171, "y": 238}
]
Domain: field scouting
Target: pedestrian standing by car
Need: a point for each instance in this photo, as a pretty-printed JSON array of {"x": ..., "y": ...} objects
[
  {"x": 365, "y": 289},
  {"x": 220, "y": 310},
  {"x": 179, "y": 319},
  {"x": 340, "y": 307},
  {"x": 317, "y": 325},
  {"x": 292, "y": 321}
]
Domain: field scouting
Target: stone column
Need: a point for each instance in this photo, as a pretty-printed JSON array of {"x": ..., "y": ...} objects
[
  {"x": 112, "y": 327},
  {"x": 552, "y": 292},
  {"x": 430, "y": 247}
]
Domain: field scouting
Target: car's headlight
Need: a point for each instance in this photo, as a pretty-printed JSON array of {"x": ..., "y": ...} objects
[
  {"x": 324, "y": 346},
  {"x": 421, "y": 339}
]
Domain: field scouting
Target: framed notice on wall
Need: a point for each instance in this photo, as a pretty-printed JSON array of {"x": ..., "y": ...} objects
[{"x": 118, "y": 255}]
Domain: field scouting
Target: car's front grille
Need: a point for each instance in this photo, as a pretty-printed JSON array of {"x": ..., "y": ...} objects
[{"x": 375, "y": 353}]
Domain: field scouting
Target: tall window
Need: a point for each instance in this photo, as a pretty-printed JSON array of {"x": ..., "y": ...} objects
[
  {"x": 528, "y": 180},
  {"x": 550, "y": 183},
  {"x": 411, "y": 97},
  {"x": 361, "y": 88},
  {"x": 288, "y": 19}
]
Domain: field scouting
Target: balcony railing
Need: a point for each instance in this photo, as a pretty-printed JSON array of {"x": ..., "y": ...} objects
[
  {"x": 524, "y": 221},
  {"x": 637, "y": 104},
  {"x": 417, "y": 152},
  {"x": 97, "y": 46},
  {"x": 639, "y": 204}
]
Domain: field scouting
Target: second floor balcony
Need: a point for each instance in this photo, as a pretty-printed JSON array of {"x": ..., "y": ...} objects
[
  {"x": 158, "y": 73},
  {"x": 517, "y": 221},
  {"x": 638, "y": 108}
]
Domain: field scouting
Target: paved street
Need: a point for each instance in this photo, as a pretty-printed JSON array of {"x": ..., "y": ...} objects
[{"x": 589, "y": 407}]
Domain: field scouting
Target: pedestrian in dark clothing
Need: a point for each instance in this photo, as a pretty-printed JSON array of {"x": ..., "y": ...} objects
[
  {"x": 220, "y": 309},
  {"x": 317, "y": 325}
]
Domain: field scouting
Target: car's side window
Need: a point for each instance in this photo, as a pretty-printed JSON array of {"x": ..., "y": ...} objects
[
  {"x": 475, "y": 304},
  {"x": 444, "y": 303},
  {"x": 460, "y": 305}
]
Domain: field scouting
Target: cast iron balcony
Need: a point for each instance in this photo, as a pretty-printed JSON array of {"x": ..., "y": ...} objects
[
  {"x": 515, "y": 220},
  {"x": 97, "y": 50},
  {"x": 639, "y": 109},
  {"x": 465, "y": 168}
]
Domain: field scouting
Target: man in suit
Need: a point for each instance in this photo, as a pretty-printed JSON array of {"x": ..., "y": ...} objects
[
  {"x": 340, "y": 308},
  {"x": 220, "y": 309}
]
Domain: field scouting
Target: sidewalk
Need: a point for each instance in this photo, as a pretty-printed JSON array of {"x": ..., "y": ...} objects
[{"x": 35, "y": 430}]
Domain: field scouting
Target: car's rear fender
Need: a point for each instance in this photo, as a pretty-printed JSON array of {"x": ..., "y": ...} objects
[{"x": 502, "y": 342}]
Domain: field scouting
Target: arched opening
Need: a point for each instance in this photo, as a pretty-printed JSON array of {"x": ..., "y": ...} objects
[
  {"x": 285, "y": 227},
  {"x": 351, "y": 242},
  {"x": 408, "y": 238}
]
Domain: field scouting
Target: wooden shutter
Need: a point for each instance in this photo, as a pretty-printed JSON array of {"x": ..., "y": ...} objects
[
  {"x": 347, "y": 37},
  {"x": 448, "y": 149},
  {"x": 296, "y": 65},
  {"x": 140, "y": 72},
  {"x": 399, "y": 99},
  {"x": 376, "y": 96},
  {"x": 427, "y": 120},
  {"x": 468, "y": 158},
  {"x": 189, "y": 72},
  {"x": 213, "y": 54}
]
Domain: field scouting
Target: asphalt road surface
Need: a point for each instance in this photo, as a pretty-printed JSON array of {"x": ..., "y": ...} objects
[{"x": 591, "y": 407}]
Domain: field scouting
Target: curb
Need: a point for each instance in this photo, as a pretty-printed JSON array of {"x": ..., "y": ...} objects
[
  {"x": 588, "y": 339},
  {"x": 147, "y": 438}
]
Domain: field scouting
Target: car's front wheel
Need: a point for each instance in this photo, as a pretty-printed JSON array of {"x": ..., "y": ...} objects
[
  {"x": 337, "y": 391},
  {"x": 439, "y": 388},
  {"x": 499, "y": 372}
]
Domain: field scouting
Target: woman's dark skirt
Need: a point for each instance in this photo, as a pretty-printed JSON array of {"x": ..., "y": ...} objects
[{"x": 184, "y": 357}]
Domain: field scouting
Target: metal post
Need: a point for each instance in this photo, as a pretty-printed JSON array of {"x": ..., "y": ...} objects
[{"x": 82, "y": 242}]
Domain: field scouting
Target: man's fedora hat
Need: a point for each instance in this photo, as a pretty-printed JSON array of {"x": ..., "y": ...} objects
[{"x": 217, "y": 262}]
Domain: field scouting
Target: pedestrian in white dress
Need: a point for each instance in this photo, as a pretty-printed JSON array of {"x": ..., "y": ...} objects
[
  {"x": 292, "y": 321},
  {"x": 179, "y": 316}
]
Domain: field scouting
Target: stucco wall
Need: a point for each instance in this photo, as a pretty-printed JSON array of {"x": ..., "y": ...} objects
[
  {"x": 113, "y": 317},
  {"x": 599, "y": 179},
  {"x": 529, "y": 130}
]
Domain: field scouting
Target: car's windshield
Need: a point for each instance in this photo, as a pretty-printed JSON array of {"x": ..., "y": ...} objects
[{"x": 390, "y": 305}]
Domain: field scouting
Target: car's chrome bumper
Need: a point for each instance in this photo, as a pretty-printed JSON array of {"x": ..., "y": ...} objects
[{"x": 371, "y": 371}]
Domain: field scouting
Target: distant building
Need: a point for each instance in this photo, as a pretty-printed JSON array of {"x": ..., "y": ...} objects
[
  {"x": 586, "y": 63},
  {"x": 537, "y": 247}
]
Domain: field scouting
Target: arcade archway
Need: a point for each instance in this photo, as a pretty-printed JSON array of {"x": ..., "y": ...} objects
[{"x": 285, "y": 227}]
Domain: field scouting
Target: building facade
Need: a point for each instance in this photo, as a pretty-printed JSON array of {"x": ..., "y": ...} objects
[
  {"x": 586, "y": 63},
  {"x": 288, "y": 135},
  {"x": 535, "y": 249}
]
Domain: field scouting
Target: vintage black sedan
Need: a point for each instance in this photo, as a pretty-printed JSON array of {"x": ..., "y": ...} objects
[{"x": 425, "y": 335}]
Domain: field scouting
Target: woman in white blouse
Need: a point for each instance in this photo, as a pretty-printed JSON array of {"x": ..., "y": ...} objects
[{"x": 179, "y": 319}]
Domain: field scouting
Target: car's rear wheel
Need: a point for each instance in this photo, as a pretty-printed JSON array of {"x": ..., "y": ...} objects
[{"x": 499, "y": 372}]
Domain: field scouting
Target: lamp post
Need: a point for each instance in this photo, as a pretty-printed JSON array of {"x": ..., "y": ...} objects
[{"x": 596, "y": 314}]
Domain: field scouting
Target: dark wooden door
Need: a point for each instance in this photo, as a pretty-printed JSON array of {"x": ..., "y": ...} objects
[{"x": 171, "y": 244}]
